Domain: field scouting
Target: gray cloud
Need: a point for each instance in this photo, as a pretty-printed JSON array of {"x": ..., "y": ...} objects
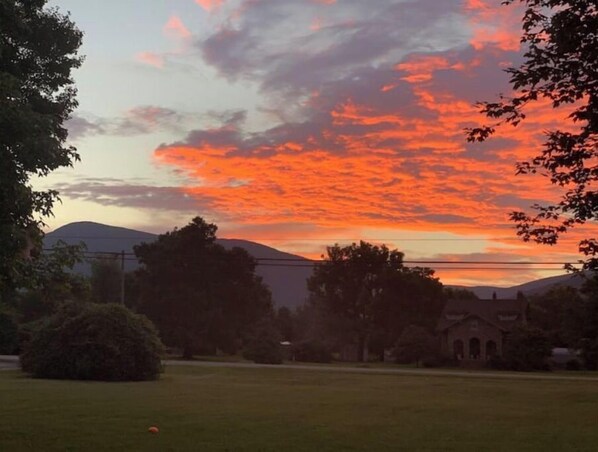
[
  {"x": 115, "y": 192},
  {"x": 447, "y": 218},
  {"x": 137, "y": 121},
  {"x": 272, "y": 43}
]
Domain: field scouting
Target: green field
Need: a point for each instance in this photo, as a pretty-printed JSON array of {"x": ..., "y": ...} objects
[{"x": 202, "y": 409}]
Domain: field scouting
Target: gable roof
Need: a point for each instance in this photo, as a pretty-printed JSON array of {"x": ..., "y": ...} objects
[{"x": 503, "y": 314}]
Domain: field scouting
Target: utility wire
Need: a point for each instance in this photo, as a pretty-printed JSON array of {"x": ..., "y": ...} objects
[
  {"x": 372, "y": 239},
  {"x": 114, "y": 254}
]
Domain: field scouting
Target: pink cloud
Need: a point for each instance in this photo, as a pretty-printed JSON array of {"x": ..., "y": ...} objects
[
  {"x": 210, "y": 5},
  {"x": 151, "y": 59},
  {"x": 175, "y": 28}
]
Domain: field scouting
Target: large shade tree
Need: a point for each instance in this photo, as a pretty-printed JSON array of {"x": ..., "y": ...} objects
[
  {"x": 560, "y": 67},
  {"x": 38, "y": 52},
  {"x": 366, "y": 293},
  {"x": 200, "y": 295}
]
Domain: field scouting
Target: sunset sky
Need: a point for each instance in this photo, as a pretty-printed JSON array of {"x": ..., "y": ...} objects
[{"x": 301, "y": 123}]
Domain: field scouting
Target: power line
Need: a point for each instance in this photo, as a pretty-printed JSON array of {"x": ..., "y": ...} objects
[
  {"x": 311, "y": 262},
  {"x": 314, "y": 239}
]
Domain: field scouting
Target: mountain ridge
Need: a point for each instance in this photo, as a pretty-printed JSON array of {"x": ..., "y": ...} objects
[{"x": 287, "y": 282}]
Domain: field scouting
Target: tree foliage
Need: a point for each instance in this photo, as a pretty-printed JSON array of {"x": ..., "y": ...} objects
[
  {"x": 527, "y": 348},
  {"x": 50, "y": 281},
  {"x": 569, "y": 318},
  {"x": 367, "y": 293},
  {"x": 200, "y": 295},
  {"x": 311, "y": 351},
  {"x": 588, "y": 324},
  {"x": 105, "y": 279},
  {"x": 558, "y": 313},
  {"x": 263, "y": 344},
  {"x": 38, "y": 51},
  {"x": 560, "y": 67},
  {"x": 415, "y": 344}
]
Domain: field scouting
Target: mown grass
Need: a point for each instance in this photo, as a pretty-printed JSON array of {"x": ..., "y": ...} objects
[{"x": 203, "y": 409}]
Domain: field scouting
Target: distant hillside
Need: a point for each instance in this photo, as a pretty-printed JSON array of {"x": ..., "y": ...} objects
[
  {"x": 288, "y": 284},
  {"x": 536, "y": 287}
]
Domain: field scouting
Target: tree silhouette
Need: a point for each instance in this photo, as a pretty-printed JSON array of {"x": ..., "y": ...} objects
[
  {"x": 365, "y": 293},
  {"x": 38, "y": 51},
  {"x": 199, "y": 295},
  {"x": 560, "y": 66}
]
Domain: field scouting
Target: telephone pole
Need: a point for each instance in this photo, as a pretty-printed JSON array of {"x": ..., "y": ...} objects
[{"x": 122, "y": 277}]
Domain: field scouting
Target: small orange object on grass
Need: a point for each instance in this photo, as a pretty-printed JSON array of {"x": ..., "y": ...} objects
[{"x": 153, "y": 429}]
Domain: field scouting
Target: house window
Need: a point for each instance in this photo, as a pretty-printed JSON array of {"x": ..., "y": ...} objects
[{"x": 474, "y": 325}]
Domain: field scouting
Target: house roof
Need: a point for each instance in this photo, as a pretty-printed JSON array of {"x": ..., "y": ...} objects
[{"x": 504, "y": 314}]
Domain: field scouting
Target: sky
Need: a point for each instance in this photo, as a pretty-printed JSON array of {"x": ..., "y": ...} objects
[{"x": 303, "y": 123}]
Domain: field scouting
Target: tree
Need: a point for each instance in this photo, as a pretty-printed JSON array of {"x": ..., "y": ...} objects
[
  {"x": 561, "y": 67},
  {"x": 416, "y": 344},
  {"x": 558, "y": 313},
  {"x": 263, "y": 345},
  {"x": 284, "y": 322},
  {"x": 49, "y": 282},
  {"x": 365, "y": 290},
  {"x": 200, "y": 296},
  {"x": 38, "y": 51},
  {"x": 588, "y": 324},
  {"x": 453, "y": 293},
  {"x": 106, "y": 276},
  {"x": 527, "y": 348}
]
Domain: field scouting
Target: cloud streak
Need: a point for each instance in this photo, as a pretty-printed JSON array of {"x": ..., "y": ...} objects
[{"x": 139, "y": 120}]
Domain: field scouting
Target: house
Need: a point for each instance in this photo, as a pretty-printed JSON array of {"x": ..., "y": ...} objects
[{"x": 475, "y": 330}]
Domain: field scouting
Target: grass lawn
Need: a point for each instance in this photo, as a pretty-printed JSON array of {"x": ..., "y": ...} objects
[{"x": 203, "y": 409}]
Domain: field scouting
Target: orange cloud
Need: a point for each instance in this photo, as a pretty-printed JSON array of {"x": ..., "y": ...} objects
[{"x": 492, "y": 25}]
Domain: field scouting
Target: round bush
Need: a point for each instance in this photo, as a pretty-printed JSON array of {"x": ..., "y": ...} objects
[{"x": 94, "y": 342}]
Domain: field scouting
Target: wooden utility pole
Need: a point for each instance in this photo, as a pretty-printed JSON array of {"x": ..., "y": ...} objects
[{"x": 122, "y": 277}]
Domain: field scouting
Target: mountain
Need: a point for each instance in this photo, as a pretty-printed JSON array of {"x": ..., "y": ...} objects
[
  {"x": 536, "y": 287},
  {"x": 285, "y": 279}
]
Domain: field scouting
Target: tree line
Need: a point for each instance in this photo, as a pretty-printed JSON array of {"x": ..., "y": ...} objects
[{"x": 363, "y": 302}]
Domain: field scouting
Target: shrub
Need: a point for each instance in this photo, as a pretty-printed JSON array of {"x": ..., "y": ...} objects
[
  {"x": 94, "y": 342},
  {"x": 311, "y": 351},
  {"x": 263, "y": 346},
  {"x": 573, "y": 364}
]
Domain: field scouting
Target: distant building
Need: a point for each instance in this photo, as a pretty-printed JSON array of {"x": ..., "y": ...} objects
[{"x": 475, "y": 330}]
